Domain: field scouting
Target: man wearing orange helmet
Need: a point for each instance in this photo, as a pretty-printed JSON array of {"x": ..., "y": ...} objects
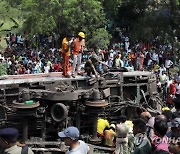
[{"x": 78, "y": 48}]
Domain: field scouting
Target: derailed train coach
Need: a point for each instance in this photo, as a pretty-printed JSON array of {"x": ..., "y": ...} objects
[{"x": 43, "y": 104}]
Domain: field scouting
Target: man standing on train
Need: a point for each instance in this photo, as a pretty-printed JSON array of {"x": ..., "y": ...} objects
[
  {"x": 65, "y": 54},
  {"x": 78, "y": 47}
]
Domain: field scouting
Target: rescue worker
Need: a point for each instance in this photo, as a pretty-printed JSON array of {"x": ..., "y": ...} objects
[
  {"x": 78, "y": 48},
  {"x": 109, "y": 136},
  {"x": 66, "y": 54},
  {"x": 91, "y": 65},
  {"x": 8, "y": 142},
  {"x": 94, "y": 66},
  {"x": 101, "y": 125}
]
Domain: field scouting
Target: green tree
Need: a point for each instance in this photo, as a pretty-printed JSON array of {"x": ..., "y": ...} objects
[
  {"x": 14, "y": 3},
  {"x": 39, "y": 16},
  {"x": 111, "y": 7},
  {"x": 175, "y": 16},
  {"x": 63, "y": 16},
  {"x": 101, "y": 39},
  {"x": 8, "y": 17},
  {"x": 144, "y": 19}
]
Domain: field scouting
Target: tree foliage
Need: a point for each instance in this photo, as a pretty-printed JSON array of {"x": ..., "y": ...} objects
[
  {"x": 146, "y": 18},
  {"x": 8, "y": 17},
  {"x": 142, "y": 18},
  {"x": 63, "y": 16},
  {"x": 101, "y": 39}
]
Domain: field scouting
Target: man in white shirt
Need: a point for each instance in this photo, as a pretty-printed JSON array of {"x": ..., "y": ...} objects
[
  {"x": 155, "y": 57},
  {"x": 46, "y": 69},
  {"x": 70, "y": 136},
  {"x": 111, "y": 55},
  {"x": 118, "y": 62},
  {"x": 168, "y": 64},
  {"x": 162, "y": 69},
  {"x": 169, "y": 81},
  {"x": 127, "y": 45}
]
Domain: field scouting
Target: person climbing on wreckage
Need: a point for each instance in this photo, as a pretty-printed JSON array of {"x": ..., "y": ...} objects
[{"x": 94, "y": 66}]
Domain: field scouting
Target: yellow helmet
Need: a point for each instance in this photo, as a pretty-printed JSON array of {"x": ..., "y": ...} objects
[
  {"x": 165, "y": 109},
  {"x": 81, "y": 34}
]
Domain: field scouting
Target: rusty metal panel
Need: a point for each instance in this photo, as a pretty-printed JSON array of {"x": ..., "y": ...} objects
[
  {"x": 106, "y": 92},
  {"x": 61, "y": 96}
]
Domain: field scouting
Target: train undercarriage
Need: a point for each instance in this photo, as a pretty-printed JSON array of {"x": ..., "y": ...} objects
[{"x": 41, "y": 105}]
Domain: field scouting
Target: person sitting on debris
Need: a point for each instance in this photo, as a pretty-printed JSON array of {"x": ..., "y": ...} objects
[
  {"x": 109, "y": 136},
  {"x": 70, "y": 136},
  {"x": 8, "y": 142},
  {"x": 101, "y": 125}
]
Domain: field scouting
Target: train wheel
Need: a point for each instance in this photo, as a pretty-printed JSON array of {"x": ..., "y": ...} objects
[{"x": 59, "y": 112}]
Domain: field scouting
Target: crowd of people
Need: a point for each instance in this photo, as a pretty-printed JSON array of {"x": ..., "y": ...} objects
[
  {"x": 23, "y": 57},
  {"x": 146, "y": 134}
]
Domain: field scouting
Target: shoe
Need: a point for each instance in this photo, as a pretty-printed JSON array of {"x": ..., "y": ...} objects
[{"x": 73, "y": 75}]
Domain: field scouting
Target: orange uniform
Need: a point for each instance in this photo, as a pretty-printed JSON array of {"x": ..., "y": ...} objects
[
  {"x": 65, "y": 47},
  {"x": 65, "y": 55},
  {"x": 78, "y": 46}
]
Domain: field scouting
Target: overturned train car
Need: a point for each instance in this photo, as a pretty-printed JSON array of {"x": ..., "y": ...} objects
[{"x": 40, "y": 105}]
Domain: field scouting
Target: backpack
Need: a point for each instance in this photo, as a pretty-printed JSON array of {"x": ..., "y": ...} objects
[{"x": 24, "y": 150}]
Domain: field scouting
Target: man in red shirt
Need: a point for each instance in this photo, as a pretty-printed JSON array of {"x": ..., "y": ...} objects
[{"x": 172, "y": 92}]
